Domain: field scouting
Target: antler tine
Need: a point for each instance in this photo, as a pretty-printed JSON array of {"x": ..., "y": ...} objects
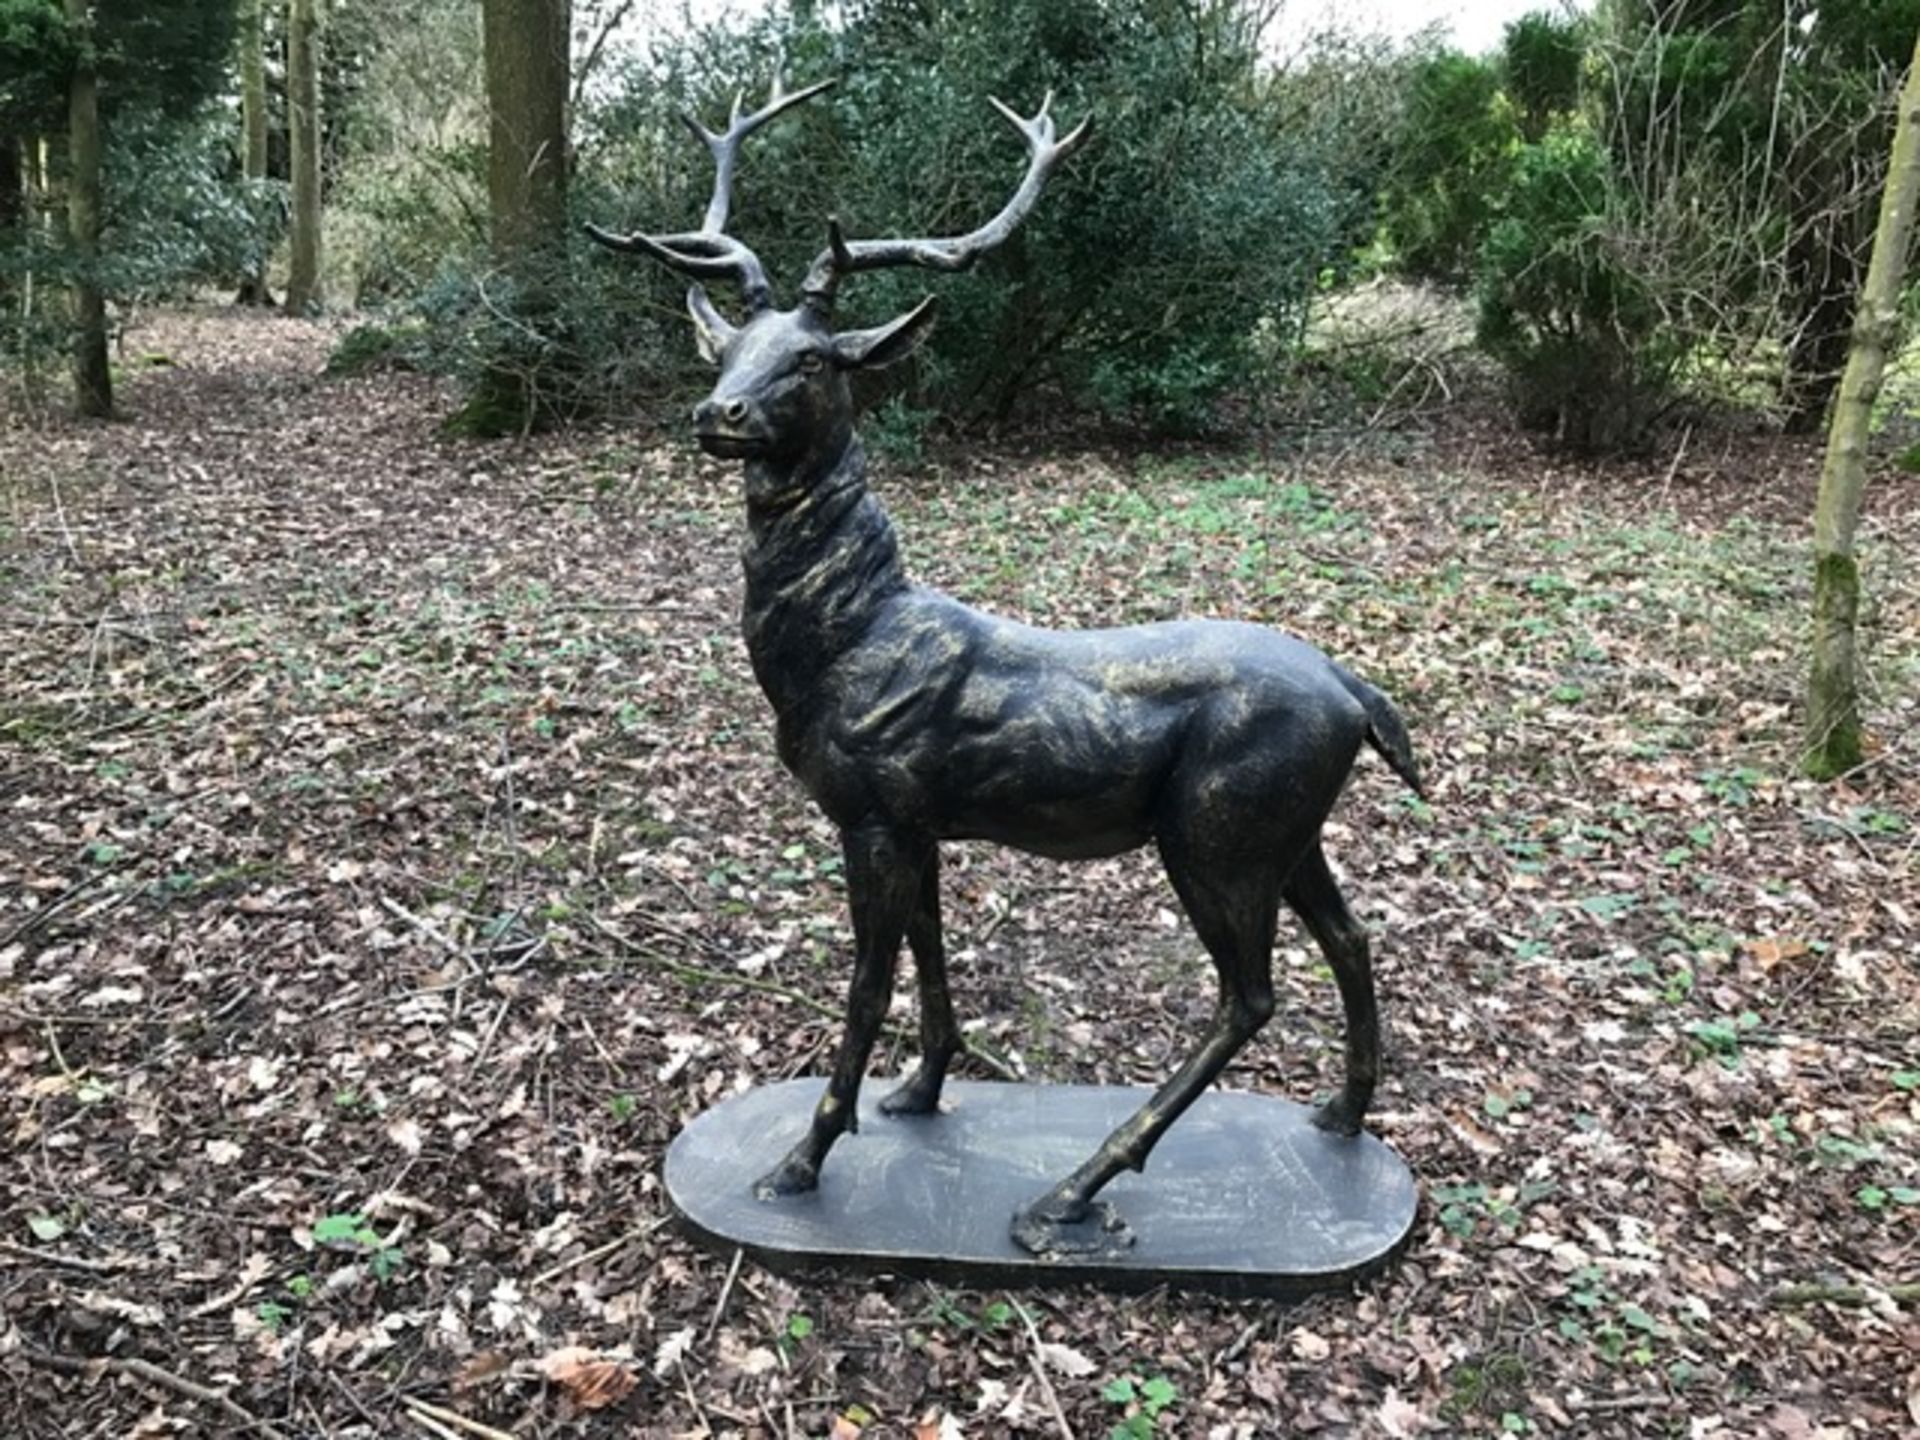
[
  {"x": 726, "y": 146},
  {"x": 709, "y": 253},
  {"x": 701, "y": 255},
  {"x": 843, "y": 257}
]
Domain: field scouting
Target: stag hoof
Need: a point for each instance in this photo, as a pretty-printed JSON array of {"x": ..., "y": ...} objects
[
  {"x": 794, "y": 1175},
  {"x": 1340, "y": 1116},
  {"x": 919, "y": 1094},
  {"x": 1053, "y": 1228}
]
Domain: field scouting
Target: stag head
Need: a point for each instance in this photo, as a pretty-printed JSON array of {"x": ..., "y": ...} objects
[{"x": 782, "y": 395}]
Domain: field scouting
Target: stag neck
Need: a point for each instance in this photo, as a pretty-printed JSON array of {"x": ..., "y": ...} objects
[
  {"x": 821, "y": 562},
  {"x": 801, "y": 484}
]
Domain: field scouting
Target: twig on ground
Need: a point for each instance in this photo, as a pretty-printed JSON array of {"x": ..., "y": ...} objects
[
  {"x": 1039, "y": 1367},
  {"x": 249, "y": 1277},
  {"x": 486, "y": 1041},
  {"x": 158, "y": 1375},
  {"x": 347, "y": 1393},
  {"x": 66, "y": 531},
  {"x": 639, "y": 1232},
  {"x": 726, "y": 1292},
  {"x": 1673, "y": 468},
  {"x": 71, "y": 1262},
  {"x": 59, "y": 1057},
  {"x": 43, "y": 915},
  {"x": 1852, "y": 1296},
  {"x": 419, "y": 1408},
  {"x": 425, "y": 927},
  {"x": 686, "y": 1381},
  {"x": 432, "y": 1426}
]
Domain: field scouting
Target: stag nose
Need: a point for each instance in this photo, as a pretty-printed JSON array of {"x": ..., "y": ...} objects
[{"x": 709, "y": 413}]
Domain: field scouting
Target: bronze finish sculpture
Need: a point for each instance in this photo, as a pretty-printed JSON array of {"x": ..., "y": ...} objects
[{"x": 912, "y": 719}]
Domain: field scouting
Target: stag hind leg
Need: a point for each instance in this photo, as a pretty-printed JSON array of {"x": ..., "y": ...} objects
[
  {"x": 1316, "y": 899},
  {"x": 883, "y": 882},
  {"x": 1235, "y": 908},
  {"x": 919, "y": 1094}
]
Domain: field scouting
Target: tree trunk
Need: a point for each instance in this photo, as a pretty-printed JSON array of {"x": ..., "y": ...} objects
[
  {"x": 525, "y": 45},
  {"x": 13, "y": 183},
  {"x": 526, "y": 58},
  {"x": 92, "y": 380},
  {"x": 34, "y": 222},
  {"x": 253, "y": 123},
  {"x": 1833, "y": 700},
  {"x": 303, "y": 123}
]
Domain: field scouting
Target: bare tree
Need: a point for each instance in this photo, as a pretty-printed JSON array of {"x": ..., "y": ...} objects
[
  {"x": 92, "y": 379},
  {"x": 303, "y": 122},
  {"x": 525, "y": 47},
  {"x": 253, "y": 123},
  {"x": 1833, "y": 690},
  {"x": 525, "y": 42}
]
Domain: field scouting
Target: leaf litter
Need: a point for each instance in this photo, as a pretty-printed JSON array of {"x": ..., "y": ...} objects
[{"x": 394, "y": 858}]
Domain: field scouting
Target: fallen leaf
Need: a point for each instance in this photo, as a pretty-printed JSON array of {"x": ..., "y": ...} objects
[
  {"x": 405, "y": 1134},
  {"x": 1770, "y": 952},
  {"x": 1399, "y": 1418},
  {"x": 1307, "y": 1345},
  {"x": 482, "y": 1368},
  {"x": 1067, "y": 1360},
  {"x": 591, "y": 1381},
  {"x": 673, "y": 1350}
]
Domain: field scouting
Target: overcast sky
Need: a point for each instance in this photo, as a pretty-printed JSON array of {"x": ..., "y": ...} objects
[{"x": 1476, "y": 24}]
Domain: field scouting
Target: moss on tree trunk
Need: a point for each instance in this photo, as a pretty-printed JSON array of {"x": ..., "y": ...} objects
[
  {"x": 1833, "y": 710},
  {"x": 1833, "y": 735}
]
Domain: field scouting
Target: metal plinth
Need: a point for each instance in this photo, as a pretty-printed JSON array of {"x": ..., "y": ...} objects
[{"x": 1243, "y": 1196}]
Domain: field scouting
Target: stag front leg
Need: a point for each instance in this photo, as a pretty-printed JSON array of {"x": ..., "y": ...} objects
[
  {"x": 883, "y": 880},
  {"x": 919, "y": 1094}
]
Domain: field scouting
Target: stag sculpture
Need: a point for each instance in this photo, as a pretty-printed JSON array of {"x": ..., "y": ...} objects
[{"x": 912, "y": 719}]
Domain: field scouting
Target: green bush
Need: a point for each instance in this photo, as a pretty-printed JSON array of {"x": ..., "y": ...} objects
[
  {"x": 1540, "y": 60},
  {"x": 576, "y": 338},
  {"x": 1585, "y": 344},
  {"x": 1137, "y": 284},
  {"x": 1453, "y": 161},
  {"x": 175, "y": 219}
]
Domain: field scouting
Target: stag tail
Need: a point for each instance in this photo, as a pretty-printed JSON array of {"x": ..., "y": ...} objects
[{"x": 1386, "y": 731}]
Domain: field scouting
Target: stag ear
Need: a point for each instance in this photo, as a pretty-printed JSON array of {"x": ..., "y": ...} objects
[
  {"x": 884, "y": 344},
  {"x": 711, "y": 332}
]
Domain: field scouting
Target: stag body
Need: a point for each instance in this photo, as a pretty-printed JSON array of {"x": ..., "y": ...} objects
[{"x": 912, "y": 719}]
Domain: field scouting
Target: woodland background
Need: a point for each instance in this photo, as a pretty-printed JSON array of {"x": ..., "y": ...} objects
[{"x": 392, "y": 854}]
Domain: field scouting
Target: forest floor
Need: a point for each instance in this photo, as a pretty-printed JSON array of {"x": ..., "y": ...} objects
[{"x": 393, "y": 858}]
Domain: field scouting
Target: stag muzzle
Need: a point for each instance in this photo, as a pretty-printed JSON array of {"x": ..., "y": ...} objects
[{"x": 724, "y": 428}]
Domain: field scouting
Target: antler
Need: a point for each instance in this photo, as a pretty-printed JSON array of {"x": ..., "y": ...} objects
[
  {"x": 708, "y": 253},
  {"x": 843, "y": 257}
]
